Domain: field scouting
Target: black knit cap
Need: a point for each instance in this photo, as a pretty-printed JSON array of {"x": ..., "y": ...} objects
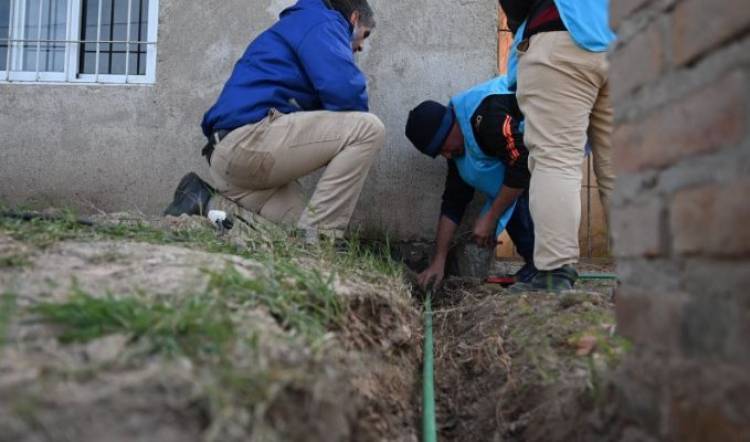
[{"x": 428, "y": 126}]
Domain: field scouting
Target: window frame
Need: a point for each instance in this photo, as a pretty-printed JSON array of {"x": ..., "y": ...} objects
[{"x": 72, "y": 44}]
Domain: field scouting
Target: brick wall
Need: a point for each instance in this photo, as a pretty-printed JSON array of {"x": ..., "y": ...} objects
[{"x": 681, "y": 216}]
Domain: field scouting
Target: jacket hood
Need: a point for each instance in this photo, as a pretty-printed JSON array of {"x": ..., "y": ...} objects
[
  {"x": 306, "y": 5},
  {"x": 321, "y": 6}
]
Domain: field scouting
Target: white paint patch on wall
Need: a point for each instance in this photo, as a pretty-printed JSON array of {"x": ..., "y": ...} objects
[{"x": 277, "y": 6}]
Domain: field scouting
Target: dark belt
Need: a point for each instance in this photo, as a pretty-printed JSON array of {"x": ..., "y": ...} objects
[{"x": 213, "y": 141}]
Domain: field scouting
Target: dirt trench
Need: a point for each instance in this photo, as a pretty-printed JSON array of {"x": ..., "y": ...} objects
[{"x": 530, "y": 367}]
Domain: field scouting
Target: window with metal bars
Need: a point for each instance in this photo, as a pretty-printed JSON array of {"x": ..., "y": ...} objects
[{"x": 78, "y": 41}]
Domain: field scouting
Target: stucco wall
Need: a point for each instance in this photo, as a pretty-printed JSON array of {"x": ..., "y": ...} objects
[{"x": 125, "y": 147}]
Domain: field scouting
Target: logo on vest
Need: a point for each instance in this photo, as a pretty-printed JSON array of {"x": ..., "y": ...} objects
[{"x": 478, "y": 122}]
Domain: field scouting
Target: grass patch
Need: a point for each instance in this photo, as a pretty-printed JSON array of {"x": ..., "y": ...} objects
[
  {"x": 7, "y": 311},
  {"x": 197, "y": 325},
  {"x": 44, "y": 232},
  {"x": 371, "y": 260},
  {"x": 300, "y": 299},
  {"x": 65, "y": 225},
  {"x": 368, "y": 260},
  {"x": 297, "y": 286},
  {"x": 14, "y": 261}
]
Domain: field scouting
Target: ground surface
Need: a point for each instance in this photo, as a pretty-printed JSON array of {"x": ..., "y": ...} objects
[{"x": 159, "y": 330}]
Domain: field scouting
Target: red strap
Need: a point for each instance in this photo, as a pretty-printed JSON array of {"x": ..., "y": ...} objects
[
  {"x": 503, "y": 280},
  {"x": 545, "y": 16}
]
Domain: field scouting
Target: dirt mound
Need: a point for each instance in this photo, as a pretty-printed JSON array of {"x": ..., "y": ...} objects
[
  {"x": 522, "y": 367},
  {"x": 139, "y": 330}
]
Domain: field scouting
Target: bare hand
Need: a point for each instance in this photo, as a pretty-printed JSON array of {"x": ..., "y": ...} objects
[
  {"x": 484, "y": 231},
  {"x": 433, "y": 276}
]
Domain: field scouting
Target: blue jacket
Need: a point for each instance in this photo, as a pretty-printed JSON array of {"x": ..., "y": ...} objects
[
  {"x": 304, "y": 62},
  {"x": 588, "y": 23},
  {"x": 480, "y": 171}
]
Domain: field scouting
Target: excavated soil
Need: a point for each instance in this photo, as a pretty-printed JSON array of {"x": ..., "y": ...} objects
[
  {"x": 508, "y": 367},
  {"x": 356, "y": 384},
  {"x": 529, "y": 367}
]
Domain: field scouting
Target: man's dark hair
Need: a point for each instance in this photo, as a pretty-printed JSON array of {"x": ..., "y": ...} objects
[{"x": 347, "y": 7}]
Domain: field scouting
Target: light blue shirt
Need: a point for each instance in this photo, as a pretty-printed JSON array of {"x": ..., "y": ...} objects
[{"x": 588, "y": 23}]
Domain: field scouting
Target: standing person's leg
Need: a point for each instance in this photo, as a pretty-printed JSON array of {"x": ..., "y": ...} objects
[
  {"x": 521, "y": 230},
  {"x": 600, "y": 135},
  {"x": 261, "y": 165},
  {"x": 558, "y": 85}
]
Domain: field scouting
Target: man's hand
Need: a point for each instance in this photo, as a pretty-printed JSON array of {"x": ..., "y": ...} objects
[
  {"x": 484, "y": 231},
  {"x": 433, "y": 276}
]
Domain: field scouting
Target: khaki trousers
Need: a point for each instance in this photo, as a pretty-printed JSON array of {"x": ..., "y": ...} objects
[
  {"x": 563, "y": 91},
  {"x": 257, "y": 166}
]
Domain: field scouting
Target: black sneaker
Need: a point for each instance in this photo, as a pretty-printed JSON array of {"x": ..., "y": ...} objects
[
  {"x": 526, "y": 273},
  {"x": 554, "y": 281},
  {"x": 191, "y": 197}
]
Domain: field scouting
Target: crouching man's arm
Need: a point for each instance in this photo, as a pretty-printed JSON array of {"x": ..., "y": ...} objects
[
  {"x": 516, "y": 181},
  {"x": 484, "y": 228},
  {"x": 456, "y": 197},
  {"x": 436, "y": 271}
]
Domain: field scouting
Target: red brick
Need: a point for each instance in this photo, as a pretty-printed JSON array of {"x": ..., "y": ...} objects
[
  {"x": 691, "y": 420},
  {"x": 705, "y": 401},
  {"x": 638, "y": 62},
  {"x": 620, "y": 10},
  {"x": 701, "y": 25},
  {"x": 651, "y": 320},
  {"x": 637, "y": 230},
  {"x": 701, "y": 122},
  {"x": 712, "y": 220}
]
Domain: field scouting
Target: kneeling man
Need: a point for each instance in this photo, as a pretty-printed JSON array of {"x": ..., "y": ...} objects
[
  {"x": 295, "y": 102},
  {"x": 480, "y": 134}
]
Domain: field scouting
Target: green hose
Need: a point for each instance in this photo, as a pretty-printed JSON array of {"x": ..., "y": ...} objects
[
  {"x": 429, "y": 427},
  {"x": 598, "y": 276}
]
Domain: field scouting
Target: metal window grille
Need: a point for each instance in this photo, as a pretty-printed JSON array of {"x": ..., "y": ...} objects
[{"x": 78, "y": 41}]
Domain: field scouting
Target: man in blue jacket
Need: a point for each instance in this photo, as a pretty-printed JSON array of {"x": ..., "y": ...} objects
[
  {"x": 480, "y": 135},
  {"x": 295, "y": 102},
  {"x": 563, "y": 91}
]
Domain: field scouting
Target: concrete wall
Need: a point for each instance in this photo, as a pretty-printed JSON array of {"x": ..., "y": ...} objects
[
  {"x": 124, "y": 148},
  {"x": 681, "y": 85}
]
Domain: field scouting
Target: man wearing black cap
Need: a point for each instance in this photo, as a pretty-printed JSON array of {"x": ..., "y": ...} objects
[{"x": 479, "y": 134}]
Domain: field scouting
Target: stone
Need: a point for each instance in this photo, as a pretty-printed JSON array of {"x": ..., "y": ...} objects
[{"x": 468, "y": 260}]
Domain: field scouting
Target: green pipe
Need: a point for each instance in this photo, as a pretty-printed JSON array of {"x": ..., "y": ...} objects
[
  {"x": 598, "y": 276},
  {"x": 429, "y": 427}
]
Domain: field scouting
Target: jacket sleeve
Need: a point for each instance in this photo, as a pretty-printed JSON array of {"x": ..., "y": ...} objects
[
  {"x": 517, "y": 174},
  {"x": 496, "y": 124},
  {"x": 456, "y": 196},
  {"x": 327, "y": 58}
]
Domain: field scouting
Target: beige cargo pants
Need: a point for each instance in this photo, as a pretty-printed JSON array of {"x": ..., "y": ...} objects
[
  {"x": 257, "y": 166},
  {"x": 563, "y": 91}
]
